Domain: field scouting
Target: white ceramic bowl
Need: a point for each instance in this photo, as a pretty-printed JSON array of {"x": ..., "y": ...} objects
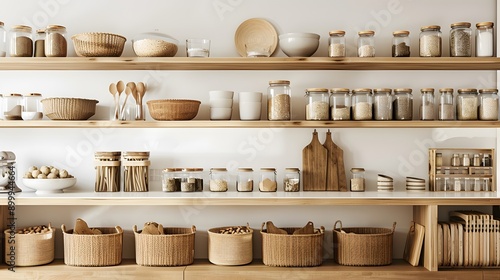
[
  {"x": 221, "y": 103},
  {"x": 250, "y": 96},
  {"x": 299, "y": 44},
  {"x": 220, "y": 113},
  {"x": 221, "y": 94},
  {"x": 49, "y": 185},
  {"x": 29, "y": 116},
  {"x": 250, "y": 111}
]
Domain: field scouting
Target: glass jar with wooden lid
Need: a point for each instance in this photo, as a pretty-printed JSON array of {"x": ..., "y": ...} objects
[
  {"x": 279, "y": 100},
  {"x": 268, "y": 180},
  {"x": 488, "y": 104},
  {"x": 428, "y": 104},
  {"x": 318, "y": 104},
  {"x": 362, "y": 104},
  {"x": 401, "y": 43},
  {"x": 336, "y": 43},
  {"x": 135, "y": 171},
  {"x": 430, "y": 41},
  {"x": 467, "y": 104},
  {"x": 21, "y": 41},
  {"x": 485, "y": 39},
  {"x": 244, "y": 182},
  {"x": 107, "y": 167},
  {"x": 382, "y": 104},
  {"x": 55, "y": 41},
  {"x": 219, "y": 180},
  {"x": 340, "y": 104},
  {"x": 446, "y": 109},
  {"x": 460, "y": 39},
  {"x": 403, "y": 104},
  {"x": 366, "y": 43}
]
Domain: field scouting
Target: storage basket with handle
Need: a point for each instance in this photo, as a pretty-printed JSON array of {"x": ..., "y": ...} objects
[
  {"x": 30, "y": 249},
  {"x": 230, "y": 249},
  {"x": 359, "y": 246}
]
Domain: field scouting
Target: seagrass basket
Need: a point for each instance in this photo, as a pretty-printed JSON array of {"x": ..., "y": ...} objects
[
  {"x": 289, "y": 250},
  {"x": 30, "y": 249},
  {"x": 173, "y": 109},
  {"x": 98, "y": 44},
  {"x": 362, "y": 246},
  {"x": 93, "y": 250},
  {"x": 175, "y": 248},
  {"x": 65, "y": 108},
  {"x": 230, "y": 249}
]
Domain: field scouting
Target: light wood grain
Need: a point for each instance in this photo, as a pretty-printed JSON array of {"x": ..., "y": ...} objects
[
  {"x": 314, "y": 165},
  {"x": 427, "y": 216}
]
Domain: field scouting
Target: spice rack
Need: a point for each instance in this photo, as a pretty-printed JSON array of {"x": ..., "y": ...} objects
[{"x": 460, "y": 170}]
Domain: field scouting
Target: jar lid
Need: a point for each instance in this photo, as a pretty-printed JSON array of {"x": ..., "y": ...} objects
[
  {"x": 486, "y": 24},
  {"x": 366, "y": 33},
  {"x": 427, "y": 90},
  {"x": 218, "y": 169},
  {"x": 197, "y": 169},
  {"x": 359, "y": 90},
  {"x": 188, "y": 169},
  {"x": 465, "y": 90},
  {"x": 446, "y": 90},
  {"x": 357, "y": 169},
  {"x": 268, "y": 169},
  {"x": 24, "y": 28},
  {"x": 292, "y": 169},
  {"x": 337, "y": 33},
  {"x": 33, "y": 94},
  {"x": 280, "y": 82},
  {"x": 430, "y": 27},
  {"x": 136, "y": 154},
  {"x": 56, "y": 28},
  {"x": 380, "y": 90},
  {"x": 339, "y": 90},
  {"x": 12, "y": 94},
  {"x": 171, "y": 169},
  {"x": 397, "y": 90},
  {"x": 107, "y": 154},
  {"x": 460, "y": 24},
  {"x": 245, "y": 169},
  {"x": 488, "y": 90},
  {"x": 40, "y": 31},
  {"x": 401, "y": 33},
  {"x": 316, "y": 90}
]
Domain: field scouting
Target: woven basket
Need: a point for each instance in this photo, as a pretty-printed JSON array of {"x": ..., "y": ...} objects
[
  {"x": 93, "y": 250},
  {"x": 230, "y": 249},
  {"x": 57, "y": 108},
  {"x": 31, "y": 249},
  {"x": 95, "y": 44},
  {"x": 292, "y": 250},
  {"x": 173, "y": 109},
  {"x": 175, "y": 248},
  {"x": 362, "y": 245}
]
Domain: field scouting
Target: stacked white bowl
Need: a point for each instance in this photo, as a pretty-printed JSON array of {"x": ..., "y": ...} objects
[
  {"x": 221, "y": 104},
  {"x": 250, "y": 104}
]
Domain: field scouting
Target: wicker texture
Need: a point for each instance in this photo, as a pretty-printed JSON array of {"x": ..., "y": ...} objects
[
  {"x": 289, "y": 250},
  {"x": 229, "y": 249},
  {"x": 173, "y": 109},
  {"x": 93, "y": 250},
  {"x": 175, "y": 248},
  {"x": 98, "y": 44},
  {"x": 362, "y": 246},
  {"x": 32, "y": 249},
  {"x": 57, "y": 108}
]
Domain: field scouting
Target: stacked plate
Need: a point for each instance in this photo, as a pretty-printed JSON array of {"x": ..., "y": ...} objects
[
  {"x": 385, "y": 183},
  {"x": 415, "y": 184}
]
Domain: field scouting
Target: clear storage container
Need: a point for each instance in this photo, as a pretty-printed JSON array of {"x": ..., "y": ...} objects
[
  {"x": 336, "y": 43},
  {"x": 382, "y": 104},
  {"x": 403, "y": 104},
  {"x": 485, "y": 39},
  {"x": 446, "y": 110},
  {"x": 427, "y": 106},
  {"x": 362, "y": 104},
  {"x": 135, "y": 171},
  {"x": 12, "y": 106},
  {"x": 107, "y": 168},
  {"x": 460, "y": 39},
  {"x": 430, "y": 41},
  {"x": 279, "y": 101},
  {"x": 357, "y": 179},
  {"x": 318, "y": 104},
  {"x": 401, "y": 43},
  {"x": 467, "y": 104},
  {"x": 488, "y": 104},
  {"x": 171, "y": 180},
  {"x": 340, "y": 104},
  {"x": 32, "y": 107},
  {"x": 219, "y": 180},
  {"x": 3, "y": 40},
  {"x": 366, "y": 43},
  {"x": 40, "y": 43},
  {"x": 188, "y": 180},
  {"x": 55, "y": 41},
  {"x": 268, "y": 180},
  {"x": 244, "y": 183},
  {"x": 21, "y": 41},
  {"x": 291, "y": 180}
]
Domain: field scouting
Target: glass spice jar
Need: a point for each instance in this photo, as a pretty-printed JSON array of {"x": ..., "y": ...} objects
[
  {"x": 55, "y": 41},
  {"x": 485, "y": 39},
  {"x": 401, "y": 43},
  {"x": 171, "y": 180},
  {"x": 291, "y": 180},
  {"x": 467, "y": 104},
  {"x": 3, "y": 40},
  {"x": 107, "y": 168},
  {"x": 427, "y": 106},
  {"x": 366, "y": 43},
  {"x": 460, "y": 39},
  {"x": 336, "y": 43},
  {"x": 340, "y": 104},
  {"x": 244, "y": 182},
  {"x": 318, "y": 104},
  {"x": 135, "y": 171},
  {"x": 382, "y": 104},
  {"x": 446, "y": 109},
  {"x": 430, "y": 41},
  {"x": 403, "y": 104},
  {"x": 188, "y": 180},
  {"x": 39, "y": 43},
  {"x": 279, "y": 100},
  {"x": 455, "y": 160},
  {"x": 218, "y": 180},
  {"x": 362, "y": 104},
  {"x": 268, "y": 180},
  {"x": 488, "y": 104},
  {"x": 21, "y": 41},
  {"x": 12, "y": 106},
  {"x": 357, "y": 179}
]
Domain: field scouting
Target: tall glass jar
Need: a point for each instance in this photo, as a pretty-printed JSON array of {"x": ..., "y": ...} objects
[
  {"x": 357, "y": 179},
  {"x": 197, "y": 173},
  {"x": 279, "y": 101},
  {"x": 219, "y": 180},
  {"x": 460, "y": 39},
  {"x": 12, "y": 106},
  {"x": 427, "y": 106},
  {"x": 336, "y": 43},
  {"x": 362, "y": 104},
  {"x": 366, "y": 43},
  {"x": 135, "y": 171},
  {"x": 340, "y": 104},
  {"x": 446, "y": 109},
  {"x": 21, "y": 41},
  {"x": 39, "y": 43},
  {"x": 382, "y": 104},
  {"x": 488, "y": 104},
  {"x": 403, "y": 104},
  {"x": 55, "y": 42},
  {"x": 107, "y": 168},
  {"x": 291, "y": 180},
  {"x": 401, "y": 43},
  {"x": 171, "y": 180},
  {"x": 188, "y": 180},
  {"x": 485, "y": 39},
  {"x": 430, "y": 41},
  {"x": 318, "y": 104},
  {"x": 244, "y": 183},
  {"x": 3, "y": 40},
  {"x": 268, "y": 180},
  {"x": 32, "y": 106},
  {"x": 467, "y": 104}
]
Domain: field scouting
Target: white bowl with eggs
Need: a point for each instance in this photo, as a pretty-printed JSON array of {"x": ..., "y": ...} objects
[{"x": 49, "y": 185}]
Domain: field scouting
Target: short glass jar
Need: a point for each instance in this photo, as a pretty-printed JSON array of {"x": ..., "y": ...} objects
[
  {"x": 268, "y": 180},
  {"x": 488, "y": 104},
  {"x": 107, "y": 167},
  {"x": 39, "y": 43},
  {"x": 401, "y": 43},
  {"x": 430, "y": 41},
  {"x": 403, "y": 104},
  {"x": 362, "y": 102},
  {"x": 318, "y": 104},
  {"x": 244, "y": 182},
  {"x": 382, "y": 104},
  {"x": 340, "y": 104},
  {"x": 357, "y": 179},
  {"x": 219, "y": 180},
  {"x": 446, "y": 109},
  {"x": 21, "y": 41},
  {"x": 55, "y": 41},
  {"x": 467, "y": 104},
  {"x": 291, "y": 180},
  {"x": 427, "y": 107},
  {"x": 12, "y": 104},
  {"x": 171, "y": 180},
  {"x": 485, "y": 39},
  {"x": 336, "y": 43},
  {"x": 366, "y": 43},
  {"x": 32, "y": 107},
  {"x": 460, "y": 39},
  {"x": 279, "y": 100},
  {"x": 188, "y": 180}
]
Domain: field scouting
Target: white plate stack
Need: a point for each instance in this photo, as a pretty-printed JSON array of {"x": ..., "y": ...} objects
[
  {"x": 415, "y": 184},
  {"x": 385, "y": 183}
]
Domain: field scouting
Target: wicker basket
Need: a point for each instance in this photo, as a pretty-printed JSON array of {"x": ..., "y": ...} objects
[
  {"x": 175, "y": 248},
  {"x": 93, "y": 250},
  {"x": 95, "y": 44},
  {"x": 31, "y": 249},
  {"x": 230, "y": 249},
  {"x": 362, "y": 245},
  {"x": 292, "y": 250},
  {"x": 57, "y": 108},
  {"x": 173, "y": 109}
]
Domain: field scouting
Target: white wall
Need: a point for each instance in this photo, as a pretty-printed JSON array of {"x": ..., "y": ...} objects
[{"x": 395, "y": 152}]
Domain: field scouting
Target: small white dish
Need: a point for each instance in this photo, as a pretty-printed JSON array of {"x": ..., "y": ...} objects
[
  {"x": 221, "y": 94},
  {"x": 49, "y": 185},
  {"x": 220, "y": 113}
]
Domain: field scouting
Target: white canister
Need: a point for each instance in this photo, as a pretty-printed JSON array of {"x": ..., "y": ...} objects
[{"x": 250, "y": 105}]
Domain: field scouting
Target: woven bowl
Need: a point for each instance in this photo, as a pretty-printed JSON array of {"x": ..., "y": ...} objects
[
  {"x": 173, "y": 109},
  {"x": 95, "y": 44},
  {"x": 57, "y": 108}
]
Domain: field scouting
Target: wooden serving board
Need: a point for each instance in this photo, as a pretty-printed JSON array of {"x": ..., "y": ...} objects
[
  {"x": 332, "y": 170},
  {"x": 314, "y": 158},
  {"x": 414, "y": 243}
]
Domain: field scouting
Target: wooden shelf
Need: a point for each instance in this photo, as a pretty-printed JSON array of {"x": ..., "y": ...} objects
[
  {"x": 244, "y": 63},
  {"x": 233, "y": 198},
  {"x": 248, "y": 124}
]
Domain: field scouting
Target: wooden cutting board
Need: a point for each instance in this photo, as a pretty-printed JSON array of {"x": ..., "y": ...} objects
[
  {"x": 332, "y": 172},
  {"x": 314, "y": 157},
  {"x": 414, "y": 243},
  {"x": 341, "y": 169}
]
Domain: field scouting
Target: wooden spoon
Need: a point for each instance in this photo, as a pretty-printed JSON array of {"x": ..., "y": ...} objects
[
  {"x": 133, "y": 88},
  {"x": 128, "y": 91},
  {"x": 140, "y": 94},
  {"x": 113, "y": 90}
]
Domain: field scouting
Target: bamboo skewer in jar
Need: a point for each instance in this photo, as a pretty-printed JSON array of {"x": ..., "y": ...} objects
[
  {"x": 136, "y": 171},
  {"x": 107, "y": 171}
]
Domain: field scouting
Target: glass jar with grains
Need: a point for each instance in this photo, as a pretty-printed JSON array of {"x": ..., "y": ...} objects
[
  {"x": 427, "y": 106},
  {"x": 401, "y": 43},
  {"x": 382, "y": 104},
  {"x": 171, "y": 179},
  {"x": 362, "y": 104},
  {"x": 218, "y": 180},
  {"x": 318, "y": 104},
  {"x": 467, "y": 104},
  {"x": 55, "y": 41},
  {"x": 488, "y": 104},
  {"x": 21, "y": 41},
  {"x": 340, "y": 103},
  {"x": 446, "y": 109},
  {"x": 291, "y": 180},
  {"x": 268, "y": 180},
  {"x": 336, "y": 43},
  {"x": 485, "y": 39},
  {"x": 39, "y": 43},
  {"x": 460, "y": 39},
  {"x": 403, "y": 104},
  {"x": 3, "y": 40},
  {"x": 357, "y": 179},
  {"x": 366, "y": 43},
  {"x": 430, "y": 41},
  {"x": 244, "y": 183},
  {"x": 279, "y": 100}
]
